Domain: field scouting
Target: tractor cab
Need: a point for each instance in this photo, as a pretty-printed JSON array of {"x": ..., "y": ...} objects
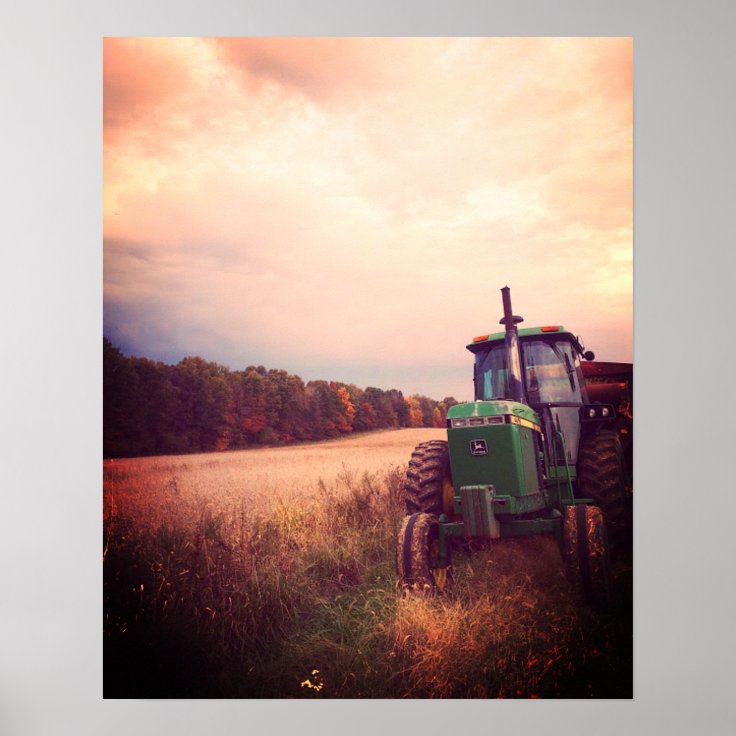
[
  {"x": 550, "y": 359},
  {"x": 550, "y": 372}
]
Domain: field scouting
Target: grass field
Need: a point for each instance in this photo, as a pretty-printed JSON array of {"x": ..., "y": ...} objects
[{"x": 270, "y": 573}]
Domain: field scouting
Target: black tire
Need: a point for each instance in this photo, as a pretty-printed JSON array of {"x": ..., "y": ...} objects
[
  {"x": 602, "y": 476},
  {"x": 586, "y": 552},
  {"x": 428, "y": 483},
  {"x": 417, "y": 553}
]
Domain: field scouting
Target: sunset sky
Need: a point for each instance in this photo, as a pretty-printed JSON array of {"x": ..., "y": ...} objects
[{"x": 349, "y": 208}]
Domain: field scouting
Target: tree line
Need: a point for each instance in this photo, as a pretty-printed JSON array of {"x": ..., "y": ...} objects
[{"x": 152, "y": 408}]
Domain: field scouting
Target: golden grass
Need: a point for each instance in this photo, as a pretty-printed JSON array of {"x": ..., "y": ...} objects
[
  {"x": 270, "y": 573},
  {"x": 163, "y": 489}
]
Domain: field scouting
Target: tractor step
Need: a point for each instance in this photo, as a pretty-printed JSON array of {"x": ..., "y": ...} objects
[{"x": 479, "y": 519}]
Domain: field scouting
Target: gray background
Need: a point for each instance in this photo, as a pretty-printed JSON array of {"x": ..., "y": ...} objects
[{"x": 50, "y": 374}]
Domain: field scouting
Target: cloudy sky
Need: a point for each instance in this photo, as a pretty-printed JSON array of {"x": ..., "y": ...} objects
[{"x": 348, "y": 209}]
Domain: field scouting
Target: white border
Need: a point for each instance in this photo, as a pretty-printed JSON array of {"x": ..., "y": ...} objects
[{"x": 50, "y": 444}]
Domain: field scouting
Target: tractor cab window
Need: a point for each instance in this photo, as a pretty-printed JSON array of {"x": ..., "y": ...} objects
[
  {"x": 549, "y": 372},
  {"x": 551, "y": 377},
  {"x": 491, "y": 374},
  {"x": 549, "y": 368}
]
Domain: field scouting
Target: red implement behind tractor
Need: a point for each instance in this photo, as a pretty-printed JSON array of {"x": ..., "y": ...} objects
[{"x": 613, "y": 383}]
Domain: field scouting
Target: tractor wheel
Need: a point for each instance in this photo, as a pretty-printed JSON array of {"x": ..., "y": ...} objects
[
  {"x": 585, "y": 548},
  {"x": 602, "y": 477},
  {"x": 428, "y": 483},
  {"x": 417, "y": 553}
]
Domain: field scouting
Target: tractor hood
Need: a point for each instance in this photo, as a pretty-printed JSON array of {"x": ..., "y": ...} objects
[
  {"x": 482, "y": 409},
  {"x": 492, "y": 443}
]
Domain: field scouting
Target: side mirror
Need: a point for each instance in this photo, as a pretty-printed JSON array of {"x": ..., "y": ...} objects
[{"x": 589, "y": 355}]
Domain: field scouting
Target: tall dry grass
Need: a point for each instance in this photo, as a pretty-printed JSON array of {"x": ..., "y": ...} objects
[{"x": 211, "y": 591}]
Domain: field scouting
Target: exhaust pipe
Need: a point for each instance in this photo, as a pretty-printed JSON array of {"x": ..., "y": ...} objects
[{"x": 513, "y": 357}]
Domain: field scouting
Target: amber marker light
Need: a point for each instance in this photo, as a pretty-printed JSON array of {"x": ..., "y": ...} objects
[
  {"x": 480, "y": 338},
  {"x": 550, "y": 328}
]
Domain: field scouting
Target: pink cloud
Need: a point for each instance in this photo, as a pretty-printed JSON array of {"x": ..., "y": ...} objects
[
  {"x": 140, "y": 74},
  {"x": 359, "y": 185},
  {"x": 327, "y": 69}
]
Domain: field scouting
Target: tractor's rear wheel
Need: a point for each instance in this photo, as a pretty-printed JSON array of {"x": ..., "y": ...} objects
[
  {"x": 428, "y": 483},
  {"x": 585, "y": 548},
  {"x": 602, "y": 476},
  {"x": 417, "y": 556}
]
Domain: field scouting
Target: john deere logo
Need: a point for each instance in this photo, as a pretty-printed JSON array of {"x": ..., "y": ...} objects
[{"x": 478, "y": 447}]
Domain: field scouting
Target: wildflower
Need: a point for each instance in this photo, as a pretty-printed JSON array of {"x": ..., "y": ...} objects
[{"x": 318, "y": 683}]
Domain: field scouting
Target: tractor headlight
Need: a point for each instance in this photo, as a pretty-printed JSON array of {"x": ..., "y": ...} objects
[
  {"x": 476, "y": 421},
  {"x": 598, "y": 411}
]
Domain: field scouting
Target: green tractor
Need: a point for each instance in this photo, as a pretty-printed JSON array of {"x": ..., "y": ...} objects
[{"x": 533, "y": 454}]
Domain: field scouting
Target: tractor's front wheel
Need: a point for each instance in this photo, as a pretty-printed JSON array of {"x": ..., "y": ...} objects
[
  {"x": 585, "y": 548},
  {"x": 418, "y": 556},
  {"x": 428, "y": 483}
]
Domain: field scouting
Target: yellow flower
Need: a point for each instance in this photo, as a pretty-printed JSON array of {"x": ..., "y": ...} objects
[{"x": 318, "y": 683}]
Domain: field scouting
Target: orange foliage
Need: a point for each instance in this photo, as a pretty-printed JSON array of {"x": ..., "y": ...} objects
[
  {"x": 415, "y": 412},
  {"x": 342, "y": 392},
  {"x": 255, "y": 423}
]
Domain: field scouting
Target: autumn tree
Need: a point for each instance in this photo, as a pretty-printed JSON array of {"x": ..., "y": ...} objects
[
  {"x": 202, "y": 405},
  {"x": 382, "y": 404},
  {"x": 288, "y": 393},
  {"x": 348, "y": 410},
  {"x": 443, "y": 407},
  {"x": 250, "y": 406},
  {"x": 399, "y": 406},
  {"x": 196, "y": 406},
  {"x": 415, "y": 411},
  {"x": 159, "y": 408},
  {"x": 121, "y": 404}
]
